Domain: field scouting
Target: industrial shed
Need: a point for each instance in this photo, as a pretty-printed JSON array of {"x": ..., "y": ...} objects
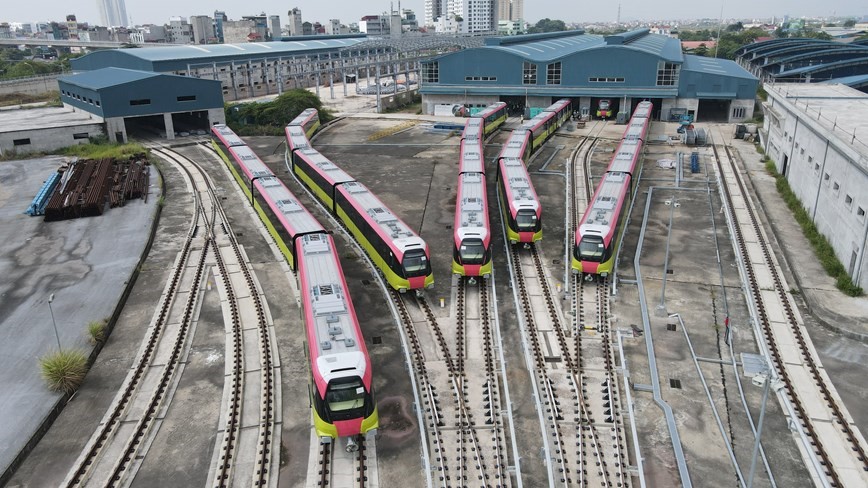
[
  {"x": 244, "y": 70},
  {"x": 805, "y": 60},
  {"x": 534, "y": 70},
  {"x": 126, "y": 99}
]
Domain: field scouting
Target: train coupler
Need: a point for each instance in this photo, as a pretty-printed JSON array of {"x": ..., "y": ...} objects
[{"x": 352, "y": 445}]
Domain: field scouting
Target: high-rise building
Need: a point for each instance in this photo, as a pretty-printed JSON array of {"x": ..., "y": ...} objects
[
  {"x": 475, "y": 15},
  {"x": 434, "y": 9},
  {"x": 261, "y": 26},
  {"x": 113, "y": 13},
  {"x": 274, "y": 27},
  {"x": 219, "y": 18},
  {"x": 203, "y": 29},
  {"x": 296, "y": 27},
  {"x": 180, "y": 32}
]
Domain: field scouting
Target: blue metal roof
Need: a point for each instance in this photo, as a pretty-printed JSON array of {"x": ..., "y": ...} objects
[
  {"x": 715, "y": 66},
  {"x": 206, "y": 51},
  {"x": 106, "y": 77},
  {"x": 551, "y": 46},
  {"x": 856, "y": 81},
  {"x": 818, "y": 68}
]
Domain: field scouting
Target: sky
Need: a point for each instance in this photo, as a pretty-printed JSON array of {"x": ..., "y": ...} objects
[{"x": 348, "y": 11}]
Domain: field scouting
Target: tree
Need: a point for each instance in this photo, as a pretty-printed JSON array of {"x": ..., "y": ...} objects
[
  {"x": 547, "y": 25},
  {"x": 738, "y": 26},
  {"x": 275, "y": 114},
  {"x": 850, "y": 23}
]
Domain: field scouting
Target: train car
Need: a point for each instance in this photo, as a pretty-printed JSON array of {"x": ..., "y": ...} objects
[
  {"x": 341, "y": 388},
  {"x": 474, "y": 130},
  {"x": 398, "y": 252},
  {"x": 546, "y": 123},
  {"x": 224, "y": 137},
  {"x": 494, "y": 116},
  {"x": 604, "y": 108},
  {"x": 595, "y": 246},
  {"x": 519, "y": 202},
  {"x": 319, "y": 174},
  {"x": 471, "y": 244},
  {"x": 296, "y": 138},
  {"x": 308, "y": 120},
  {"x": 517, "y": 146}
]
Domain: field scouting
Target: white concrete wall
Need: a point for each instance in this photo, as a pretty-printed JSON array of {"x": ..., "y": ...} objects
[
  {"x": 670, "y": 103},
  {"x": 430, "y": 100},
  {"x": 50, "y": 139},
  {"x": 30, "y": 86},
  {"x": 747, "y": 105},
  {"x": 822, "y": 174}
]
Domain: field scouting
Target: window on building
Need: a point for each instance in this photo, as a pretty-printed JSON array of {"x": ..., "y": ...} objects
[
  {"x": 141, "y": 101},
  {"x": 667, "y": 73},
  {"x": 802, "y": 151},
  {"x": 96, "y": 103},
  {"x": 797, "y": 145},
  {"x": 553, "y": 74},
  {"x": 738, "y": 113},
  {"x": 826, "y": 178},
  {"x": 816, "y": 167},
  {"x": 21, "y": 142},
  {"x": 528, "y": 71},
  {"x": 860, "y": 212},
  {"x": 187, "y": 98},
  {"x": 80, "y": 135},
  {"x": 848, "y": 200},
  {"x": 836, "y": 187},
  {"x": 810, "y": 159},
  {"x": 431, "y": 72}
]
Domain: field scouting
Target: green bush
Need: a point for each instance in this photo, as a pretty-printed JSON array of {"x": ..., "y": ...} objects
[
  {"x": 97, "y": 330},
  {"x": 822, "y": 247},
  {"x": 64, "y": 371},
  {"x": 102, "y": 149}
]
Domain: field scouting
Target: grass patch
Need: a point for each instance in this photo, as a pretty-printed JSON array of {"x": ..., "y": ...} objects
[
  {"x": 259, "y": 130},
  {"x": 99, "y": 149},
  {"x": 64, "y": 371},
  {"x": 96, "y": 330},
  {"x": 822, "y": 247},
  {"x": 12, "y": 99}
]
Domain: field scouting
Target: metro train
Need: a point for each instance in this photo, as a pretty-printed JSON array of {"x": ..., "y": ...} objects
[
  {"x": 493, "y": 116},
  {"x": 342, "y": 398},
  {"x": 308, "y": 120},
  {"x": 595, "y": 245},
  {"x": 471, "y": 243},
  {"x": 604, "y": 108},
  {"x": 521, "y": 209},
  {"x": 398, "y": 252}
]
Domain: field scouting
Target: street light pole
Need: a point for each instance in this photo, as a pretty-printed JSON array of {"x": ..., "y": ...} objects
[{"x": 56, "y": 335}]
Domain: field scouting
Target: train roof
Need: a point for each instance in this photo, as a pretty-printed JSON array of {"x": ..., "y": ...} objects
[
  {"x": 520, "y": 191},
  {"x": 296, "y": 137},
  {"x": 560, "y": 104},
  {"x": 334, "y": 337},
  {"x": 387, "y": 224},
  {"x": 473, "y": 129},
  {"x": 471, "y": 157},
  {"x": 250, "y": 162},
  {"x": 228, "y": 135},
  {"x": 304, "y": 117},
  {"x": 643, "y": 110},
  {"x": 535, "y": 122},
  {"x": 514, "y": 147},
  {"x": 601, "y": 217},
  {"x": 329, "y": 170},
  {"x": 489, "y": 110},
  {"x": 471, "y": 215},
  {"x": 292, "y": 213},
  {"x": 625, "y": 157},
  {"x": 636, "y": 129}
]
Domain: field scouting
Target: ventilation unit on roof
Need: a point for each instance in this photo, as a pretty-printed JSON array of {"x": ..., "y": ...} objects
[
  {"x": 315, "y": 243},
  {"x": 327, "y": 300}
]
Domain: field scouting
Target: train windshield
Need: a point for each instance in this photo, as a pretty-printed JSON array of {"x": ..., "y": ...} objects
[
  {"x": 604, "y": 104},
  {"x": 415, "y": 263},
  {"x": 472, "y": 251},
  {"x": 525, "y": 220},
  {"x": 591, "y": 248},
  {"x": 345, "y": 396}
]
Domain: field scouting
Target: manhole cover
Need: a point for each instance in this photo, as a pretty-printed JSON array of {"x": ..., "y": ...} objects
[
  {"x": 670, "y": 326},
  {"x": 377, "y": 340},
  {"x": 670, "y": 271}
]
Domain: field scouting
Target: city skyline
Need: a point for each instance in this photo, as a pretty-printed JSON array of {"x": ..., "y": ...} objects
[{"x": 159, "y": 11}]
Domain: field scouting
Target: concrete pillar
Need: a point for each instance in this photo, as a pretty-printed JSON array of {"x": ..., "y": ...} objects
[
  {"x": 216, "y": 116},
  {"x": 115, "y": 126},
  {"x": 170, "y": 127}
]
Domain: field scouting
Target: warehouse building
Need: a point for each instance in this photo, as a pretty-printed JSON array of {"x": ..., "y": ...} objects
[
  {"x": 794, "y": 60},
  {"x": 244, "y": 70},
  {"x": 127, "y": 100},
  {"x": 45, "y": 129},
  {"x": 817, "y": 134},
  {"x": 535, "y": 70}
]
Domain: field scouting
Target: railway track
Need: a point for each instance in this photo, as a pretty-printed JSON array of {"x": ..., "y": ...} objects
[
  {"x": 834, "y": 446},
  {"x": 117, "y": 448},
  {"x": 341, "y": 468},
  {"x": 467, "y": 437}
]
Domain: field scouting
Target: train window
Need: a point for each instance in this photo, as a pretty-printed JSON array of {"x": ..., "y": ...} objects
[
  {"x": 472, "y": 251},
  {"x": 415, "y": 263},
  {"x": 345, "y": 396},
  {"x": 591, "y": 248},
  {"x": 525, "y": 220}
]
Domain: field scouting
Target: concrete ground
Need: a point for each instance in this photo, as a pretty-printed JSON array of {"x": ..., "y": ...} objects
[{"x": 85, "y": 263}]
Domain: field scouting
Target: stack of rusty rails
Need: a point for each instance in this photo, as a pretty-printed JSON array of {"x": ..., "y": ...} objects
[{"x": 87, "y": 185}]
